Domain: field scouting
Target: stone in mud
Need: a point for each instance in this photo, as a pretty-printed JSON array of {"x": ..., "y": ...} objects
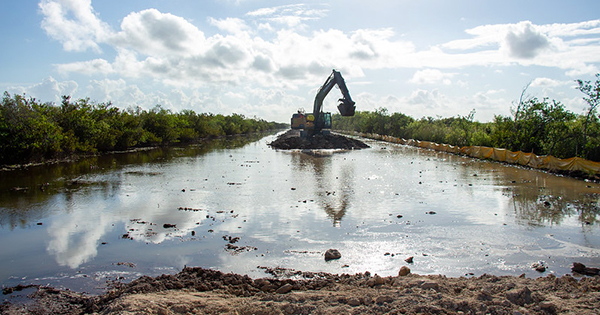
[
  {"x": 583, "y": 270},
  {"x": 384, "y": 299},
  {"x": 332, "y": 254},
  {"x": 404, "y": 271},
  {"x": 520, "y": 297},
  {"x": 285, "y": 289},
  {"x": 430, "y": 285},
  {"x": 539, "y": 267},
  {"x": 353, "y": 302}
]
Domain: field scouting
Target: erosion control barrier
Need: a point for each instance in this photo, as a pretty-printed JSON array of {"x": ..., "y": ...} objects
[{"x": 546, "y": 162}]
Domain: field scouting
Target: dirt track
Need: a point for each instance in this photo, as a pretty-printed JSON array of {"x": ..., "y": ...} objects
[
  {"x": 202, "y": 291},
  {"x": 292, "y": 140}
]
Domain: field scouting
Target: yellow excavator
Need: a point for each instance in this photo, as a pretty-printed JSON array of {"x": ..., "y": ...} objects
[{"x": 314, "y": 123}]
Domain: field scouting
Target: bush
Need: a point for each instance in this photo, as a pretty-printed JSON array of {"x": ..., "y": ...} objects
[{"x": 31, "y": 131}]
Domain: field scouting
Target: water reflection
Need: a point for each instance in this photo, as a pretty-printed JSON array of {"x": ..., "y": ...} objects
[
  {"x": 168, "y": 207},
  {"x": 333, "y": 181},
  {"x": 94, "y": 196},
  {"x": 24, "y": 193},
  {"x": 548, "y": 210}
]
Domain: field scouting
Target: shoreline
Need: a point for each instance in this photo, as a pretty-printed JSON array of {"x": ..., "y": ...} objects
[
  {"x": 78, "y": 156},
  {"x": 199, "y": 290}
]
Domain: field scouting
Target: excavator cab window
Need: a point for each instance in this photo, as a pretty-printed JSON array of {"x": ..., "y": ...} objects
[{"x": 326, "y": 118}]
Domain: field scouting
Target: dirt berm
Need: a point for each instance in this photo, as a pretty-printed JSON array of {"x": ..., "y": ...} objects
[
  {"x": 292, "y": 140},
  {"x": 203, "y": 291}
]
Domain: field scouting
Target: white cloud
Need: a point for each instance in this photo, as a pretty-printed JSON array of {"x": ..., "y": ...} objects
[
  {"x": 571, "y": 29},
  {"x": 230, "y": 25},
  {"x": 425, "y": 98},
  {"x": 49, "y": 90},
  {"x": 74, "y": 24},
  {"x": 432, "y": 76},
  {"x": 525, "y": 41},
  {"x": 547, "y": 82},
  {"x": 263, "y": 12},
  {"x": 159, "y": 34},
  {"x": 291, "y": 16},
  {"x": 96, "y": 66},
  {"x": 549, "y": 45},
  {"x": 270, "y": 51},
  {"x": 165, "y": 47}
]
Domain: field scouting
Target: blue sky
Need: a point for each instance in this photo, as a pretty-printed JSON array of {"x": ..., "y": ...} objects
[{"x": 268, "y": 58}]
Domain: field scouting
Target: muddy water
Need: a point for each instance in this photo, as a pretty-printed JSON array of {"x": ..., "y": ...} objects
[{"x": 237, "y": 205}]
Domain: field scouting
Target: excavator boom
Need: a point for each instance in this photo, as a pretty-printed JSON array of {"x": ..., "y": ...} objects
[{"x": 346, "y": 106}]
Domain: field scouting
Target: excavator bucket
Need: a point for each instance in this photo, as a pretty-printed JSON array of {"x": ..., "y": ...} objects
[{"x": 346, "y": 107}]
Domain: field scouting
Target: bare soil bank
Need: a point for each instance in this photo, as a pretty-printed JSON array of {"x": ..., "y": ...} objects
[
  {"x": 202, "y": 291},
  {"x": 292, "y": 140}
]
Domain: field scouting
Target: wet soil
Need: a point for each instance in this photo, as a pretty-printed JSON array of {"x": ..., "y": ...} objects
[
  {"x": 292, "y": 140},
  {"x": 198, "y": 290}
]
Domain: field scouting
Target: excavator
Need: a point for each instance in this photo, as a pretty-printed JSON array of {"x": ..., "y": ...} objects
[{"x": 313, "y": 123}]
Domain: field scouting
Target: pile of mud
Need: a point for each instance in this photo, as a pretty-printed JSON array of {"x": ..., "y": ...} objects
[
  {"x": 292, "y": 140},
  {"x": 203, "y": 291}
]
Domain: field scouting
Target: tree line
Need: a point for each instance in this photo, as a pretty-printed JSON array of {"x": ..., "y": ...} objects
[
  {"x": 541, "y": 126},
  {"x": 32, "y": 131}
]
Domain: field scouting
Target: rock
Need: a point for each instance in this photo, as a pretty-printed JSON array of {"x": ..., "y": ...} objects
[
  {"x": 384, "y": 299},
  {"x": 409, "y": 260},
  {"x": 331, "y": 254},
  {"x": 539, "y": 266},
  {"x": 168, "y": 225},
  {"x": 285, "y": 288},
  {"x": 353, "y": 302},
  {"x": 404, "y": 271},
  {"x": 547, "y": 306},
  {"x": 267, "y": 288},
  {"x": 582, "y": 269},
  {"x": 520, "y": 297},
  {"x": 261, "y": 282},
  {"x": 430, "y": 285}
]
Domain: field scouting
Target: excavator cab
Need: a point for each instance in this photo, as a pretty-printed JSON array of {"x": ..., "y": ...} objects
[{"x": 325, "y": 120}]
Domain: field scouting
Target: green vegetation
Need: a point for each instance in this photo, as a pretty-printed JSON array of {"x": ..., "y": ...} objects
[
  {"x": 543, "y": 127},
  {"x": 34, "y": 131}
]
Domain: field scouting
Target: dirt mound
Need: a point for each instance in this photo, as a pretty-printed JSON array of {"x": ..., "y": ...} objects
[
  {"x": 292, "y": 140},
  {"x": 203, "y": 291}
]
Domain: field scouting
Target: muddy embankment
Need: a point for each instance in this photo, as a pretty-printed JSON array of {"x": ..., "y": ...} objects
[
  {"x": 203, "y": 291},
  {"x": 291, "y": 140}
]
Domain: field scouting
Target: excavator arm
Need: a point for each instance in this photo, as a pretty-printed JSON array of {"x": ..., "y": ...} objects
[{"x": 346, "y": 105}]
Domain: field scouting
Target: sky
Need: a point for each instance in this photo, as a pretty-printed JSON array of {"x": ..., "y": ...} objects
[{"x": 267, "y": 59}]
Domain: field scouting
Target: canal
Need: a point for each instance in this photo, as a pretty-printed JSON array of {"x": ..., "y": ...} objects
[{"x": 237, "y": 205}]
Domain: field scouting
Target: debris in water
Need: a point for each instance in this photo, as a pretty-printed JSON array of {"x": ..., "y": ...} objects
[{"x": 331, "y": 254}]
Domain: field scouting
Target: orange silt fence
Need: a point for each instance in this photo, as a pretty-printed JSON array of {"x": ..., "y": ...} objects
[{"x": 547, "y": 162}]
